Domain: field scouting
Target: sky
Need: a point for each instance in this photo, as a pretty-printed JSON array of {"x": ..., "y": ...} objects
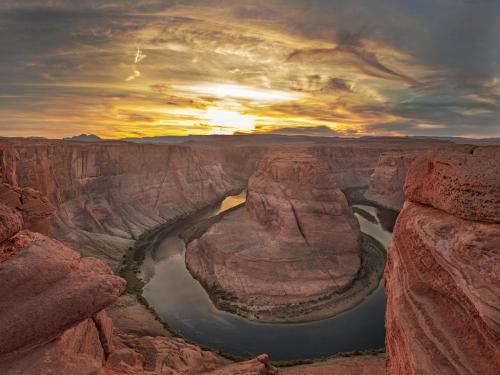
[{"x": 123, "y": 68}]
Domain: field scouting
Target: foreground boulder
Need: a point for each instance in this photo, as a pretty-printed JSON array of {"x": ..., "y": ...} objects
[
  {"x": 47, "y": 288},
  {"x": 295, "y": 244},
  {"x": 443, "y": 273},
  {"x": 51, "y": 309}
]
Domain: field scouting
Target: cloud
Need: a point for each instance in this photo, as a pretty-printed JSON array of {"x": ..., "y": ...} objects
[
  {"x": 139, "y": 56},
  {"x": 316, "y": 131},
  {"x": 401, "y": 67},
  {"x": 367, "y": 62},
  {"x": 336, "y": 84}
]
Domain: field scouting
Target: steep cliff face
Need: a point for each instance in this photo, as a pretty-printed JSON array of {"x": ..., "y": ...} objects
[
  {"x": 443, "y": 277},
  {"x": 294, "y": 196},
  {"x": 294, "y": 245},
  {"x": 51, "y": 311},
  {"x": 106, "y": 194},
  {"x": 48, "y": 292},
  {"x": 387, "y": 181}
]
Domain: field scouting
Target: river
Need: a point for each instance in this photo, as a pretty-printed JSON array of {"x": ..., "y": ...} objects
[{"x": 184, "y": 305}]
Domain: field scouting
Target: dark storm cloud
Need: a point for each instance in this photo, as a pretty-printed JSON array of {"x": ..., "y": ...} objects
[
  {"x": 337, "y": 84},
  {"x": 366, "y": 61}
]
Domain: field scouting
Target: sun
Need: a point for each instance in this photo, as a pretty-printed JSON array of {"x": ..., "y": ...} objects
[{"x": 228, "y": 122}]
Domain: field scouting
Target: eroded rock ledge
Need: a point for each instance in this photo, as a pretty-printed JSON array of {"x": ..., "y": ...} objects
[
  {"x": 443, "y": 273},
  {"x": 51, "y": 310},
  {"x": 292, "y": 254}
]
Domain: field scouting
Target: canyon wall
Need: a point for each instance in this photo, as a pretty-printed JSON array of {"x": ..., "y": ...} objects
[
  {"x": 106, "y": 194},
  {"x": 443, "y": 273},
  {"x": 387, "y": 181},
  {"x": 51, "y": 310}
]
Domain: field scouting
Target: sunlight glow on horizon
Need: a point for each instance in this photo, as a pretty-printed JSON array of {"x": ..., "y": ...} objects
[{"x": 233, "y": 120}]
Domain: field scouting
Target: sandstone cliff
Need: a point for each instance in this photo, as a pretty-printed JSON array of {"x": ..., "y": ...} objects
[
  {"x": 295, "y": 244},
  {"x": 106, "y": 194},
  {"x": 387, "y": 181},
  {"x": 51, "y": 310},
  {"x": 48, "y": 293},
  {"x": 443, "y": 273}
]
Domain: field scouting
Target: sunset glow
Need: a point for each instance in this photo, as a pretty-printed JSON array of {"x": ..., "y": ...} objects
[
  {"x": 233, "y": 121},
  {"x": 121, "y": 69}
]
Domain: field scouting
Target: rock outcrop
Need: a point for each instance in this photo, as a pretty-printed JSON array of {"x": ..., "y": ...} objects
[
  {"x": 295, "y": 244},
  {"x": 465, "y": 185},
  {"x": 387, "y": 181},
  {"x": 51, "y": 310},
  {"x": 51, "y": 299},
  {"x": 443, "y": 273},
  {"x": 106, "y": 194}
]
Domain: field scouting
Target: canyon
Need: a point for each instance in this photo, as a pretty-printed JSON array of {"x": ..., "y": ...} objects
[
  {"x": 64, "y": 204},
  {"x": 442, "y": 277},
  {"x": 292, "y": 253}
]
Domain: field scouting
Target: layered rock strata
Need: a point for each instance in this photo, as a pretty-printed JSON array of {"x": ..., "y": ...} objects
[
  {"x": 387, "y": 181},
  {"x": 107, "y": 193},
  {"x": 51, "y": 311},
  {"x": 294, "y": 245},
  {"x": 443, "y": 273}
]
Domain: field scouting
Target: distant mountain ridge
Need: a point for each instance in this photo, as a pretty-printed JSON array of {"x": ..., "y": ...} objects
[{"x": 83, "y": 138}]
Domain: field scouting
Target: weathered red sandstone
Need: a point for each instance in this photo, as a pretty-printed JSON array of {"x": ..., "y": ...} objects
[
  {"x": 258, "y": 366},
  {"x": 443, "y": 273},
  {"x": 46, "y": 287},
  {"x": 466, "y": 185},
  {"x": 106, "y": 194},
  {"x": 296, "y": 242},
  {"x": 387, "y": 181},
  {"x": 51, "y": 312}
]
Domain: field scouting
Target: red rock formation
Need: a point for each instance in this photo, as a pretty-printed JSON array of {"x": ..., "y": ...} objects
[
  {"x": 387, "y": 181},
  {"x": 296, "y": 243},
  {"x": 51, "y": 311},
  {"x": 46, "y": 287},
  {"x": 294, "y": 196},
  {"x": 443, "y": 277},
  {"x": 257, "y": 366},
  {"x": 106, "y": 194},
  {"x": 463, "y": 185}
]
